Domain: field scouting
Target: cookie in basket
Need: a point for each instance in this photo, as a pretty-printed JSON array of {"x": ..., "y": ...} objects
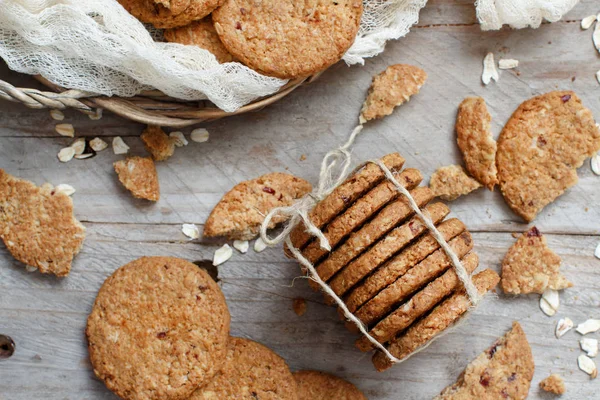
[
  {"x": 158, "y": 329},
  {"x": 240, "y": 212},
  {"x": 165, "y": 14},
  {"x": 37, "y": 225},
  {"x": 138, "y": 175},
  {"x": 540, "y": 148},
  {"x": 202, "y": 34},
  {"x": 251, "y": 371},
  {"x": 504, "y": 371},
  {"x": 288, "y": 39},
  {"x": 316, "y": 385}
]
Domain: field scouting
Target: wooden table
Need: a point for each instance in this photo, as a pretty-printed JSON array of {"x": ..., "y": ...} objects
[{"x": 46, "y": 316}]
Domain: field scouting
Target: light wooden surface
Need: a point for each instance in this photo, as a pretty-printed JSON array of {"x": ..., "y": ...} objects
[{"x": 46, "y": 316}]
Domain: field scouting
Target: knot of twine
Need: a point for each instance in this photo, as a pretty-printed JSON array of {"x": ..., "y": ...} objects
[{"x": 328, "y": 181}]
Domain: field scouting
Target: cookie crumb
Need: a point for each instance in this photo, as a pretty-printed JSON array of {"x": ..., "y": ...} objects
[
  {"x": 451, "y": 182},
  {"x": 158, "y": 143},
  {"x": 553, "y": 384},
  {"x": 303, "y": 157},
  {"x": 138, "y": 175},
  {"x": 299, "y": 305}
]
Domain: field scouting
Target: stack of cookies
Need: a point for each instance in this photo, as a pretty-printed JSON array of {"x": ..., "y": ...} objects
[
  {"x": 278, "y": 38},
  {"x": 386, "y": 267}
]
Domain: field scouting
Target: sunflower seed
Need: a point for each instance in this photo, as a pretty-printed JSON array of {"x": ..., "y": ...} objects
[
  {"x": 66, "y": 154},
  {"x": 564, "y": 325},
  {"x": 549, "y": 302},
  {"x": 588, "y": 21},
  {"x": 222, "y": 254},
  {"x": 191, "y": 231},
  {"x": 98, "y": 144},
  {"x": 79, "y": 146},
  {"x": 508, "y": 63},
  {"x": 57, "y": 115},
  {"x": 178, "y": 139},
  {"x": 595, "y": 164},
  {"x": 199, "y": 135},
  {"x": 64, "y": 188},
  {"x": 119, "y": 146},
  {"x": 241, "y": 245},
  {"x": 65, "y": 130},
  {"x": 590, "y": 346},
  {"x": 259, "y": 245},
  {"x": 587, "y": 365},
  {"x": 489, "y": 69},
  {"x": 96, "y": 115},
  {"x": 589, "y": 326}
]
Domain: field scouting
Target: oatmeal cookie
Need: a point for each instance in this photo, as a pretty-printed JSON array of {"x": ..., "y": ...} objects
[
  {"x": 504, "y": 371},
  {"x": 165, "y": 14},
  {"x": 315, "y": 385},
  {"x": 438, "y": 320},
  {"x": 158, "y": 143},
  {"x": 158, "y": 329},
  {"x": 391, "y": 88},
  {"x": 288, "y": 39},
  {"x": 531, "y": 267},
  {"x": 451, "y": 182},
  {"x": 251, "y": 371},
  {"x": 240, "y": 212},
  {"x": 474, "y": 138},
  {"x": 418, "y": 305},
  {"x": 202, "y": 34},
  {"x": 344, "y": 195},
  {"x": 37, "y": 225},
  {"x": 539, "y": 150},
  {"x": 138, "y": 175}
]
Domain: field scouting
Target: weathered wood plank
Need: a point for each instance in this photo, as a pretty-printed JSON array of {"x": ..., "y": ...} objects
[{"x": 47, "y": 317}]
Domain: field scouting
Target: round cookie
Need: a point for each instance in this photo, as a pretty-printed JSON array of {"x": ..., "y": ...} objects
[
  {"x": 159, "y": 328},
  {"x": 251, "y": 371},
  {"x": 165, "y": 14},
  {"x": 202, "y": 34},
  {"x": 287, "y": 39},
  {"x": 315, "y": 385}
]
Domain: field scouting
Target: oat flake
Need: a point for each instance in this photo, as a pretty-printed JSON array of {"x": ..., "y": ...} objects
[
  {"x": 549, "y": 302},
  {"x": 57, "y": 115},
  {"x": 119, "y": 146},
  {"x": 596, "y": 37},
  {"x": 64, "y": 188},
  {"x": 66, "y": 154},
  {"x": 508, "y": 63},
  {"x": 563, "y": 326},
  {"x": 199, "y": 135},
  {"x": 96, "y": 115},
  {"x": 178, "y": 139},
  {"x": 588, "y": 21},
  {"x": 222, "y": 254},
  {"x": 587, "y": 365},
  {"x": 597, "y": 252},
  {"x": 259, "y": 245},
  {"x": 589, "y": 326},
  {"x": 79, "y": 146},
  {"x": 98, "y": 144},
  {"x": 30, "y": 268},
  {"x": 595, "y": 164},
  {"x": 590, "y": 346},
  {"x": 65, "y": 130},
  {"x": 241, "y": 245},
  {"x": 191, "y": 231},
  {"x": 489, "y": 69}
]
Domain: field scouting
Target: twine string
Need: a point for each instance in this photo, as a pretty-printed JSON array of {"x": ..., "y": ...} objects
[{"x": 330, "y": 177}]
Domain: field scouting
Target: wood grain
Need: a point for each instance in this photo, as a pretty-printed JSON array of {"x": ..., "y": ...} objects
[{"x": 46, "y": 316}]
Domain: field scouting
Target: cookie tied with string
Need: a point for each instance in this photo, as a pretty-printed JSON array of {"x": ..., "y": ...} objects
[{"x": 398, "y": 271}]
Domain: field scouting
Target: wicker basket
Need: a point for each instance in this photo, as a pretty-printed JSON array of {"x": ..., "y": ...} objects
[{"x": 151, "y": 107}]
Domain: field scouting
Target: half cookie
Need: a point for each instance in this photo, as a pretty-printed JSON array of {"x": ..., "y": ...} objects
[
  {"x": 539, "y": 150},
  {"x": 37, "y": 225},
  {"x": 504, "y": 371},
  {"x": 315, "y": 385},
  {"x": 391, "y": 88},
  {"x": 159, "y": 329},
  {"x": 240, "y": 212},
  {"x": 251, "y": 371},
  {"x": 531, "y": 267}
]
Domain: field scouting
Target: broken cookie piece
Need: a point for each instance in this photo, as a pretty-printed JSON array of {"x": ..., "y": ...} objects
[
  {"x": 531, "y": 267},
  {"x": 474, "y": 138},
  {"x": 553, "y": 384},
  {"x": 504, "y": 371},
  {"x": 451, "y": 182},
  {"x": 138, "y": 175},
  {"x": 37, "y": 225},
  {"x": 391, "y": 88},
  {"x": 239, "y": 214},
  {"x": 202, "y": 34},
  {"x": 539, "y": 150},
  {"x": 158, "y": 143}
]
